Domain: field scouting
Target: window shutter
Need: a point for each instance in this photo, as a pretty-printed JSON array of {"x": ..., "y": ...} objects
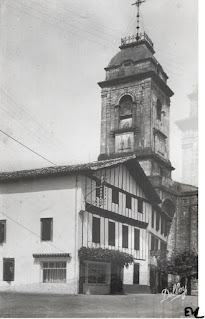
[
  {"x": 137, "y": 239},
  {"x": 8, "y": 269},
  {"x": 46, "y": 229},
  {"x": 124, "y": 236},
  {"x": 96, "y": 230},
  {"x": 1, "y": 233},
  {"x": 111, "y": 234}
]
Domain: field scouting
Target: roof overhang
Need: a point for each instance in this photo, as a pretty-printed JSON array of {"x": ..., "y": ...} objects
[{"x": 63, "y": 255}]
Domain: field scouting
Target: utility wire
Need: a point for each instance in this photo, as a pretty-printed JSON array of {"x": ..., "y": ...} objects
[{"x": 28, "y": 148}]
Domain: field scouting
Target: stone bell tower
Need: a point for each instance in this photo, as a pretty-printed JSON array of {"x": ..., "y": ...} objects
[{"x": 136, "y": 107}]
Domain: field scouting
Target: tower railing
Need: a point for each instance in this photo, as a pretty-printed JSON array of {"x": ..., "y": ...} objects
[{"x": 136, "y": 38}]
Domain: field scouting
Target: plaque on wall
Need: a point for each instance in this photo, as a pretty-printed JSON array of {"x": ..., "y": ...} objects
[{"x": 124, "y": 142}]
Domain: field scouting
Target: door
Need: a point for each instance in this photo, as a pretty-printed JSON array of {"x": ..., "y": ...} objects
[
  {"x": 153, "y": 279},
  {"x": 116, "y": 285}
]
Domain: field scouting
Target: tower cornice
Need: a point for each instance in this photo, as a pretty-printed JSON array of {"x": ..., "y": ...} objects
[{"x": 140, "y": 76}]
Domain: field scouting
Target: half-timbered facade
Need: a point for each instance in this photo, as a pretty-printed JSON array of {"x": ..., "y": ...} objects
[{"x": 106, "y": 204}]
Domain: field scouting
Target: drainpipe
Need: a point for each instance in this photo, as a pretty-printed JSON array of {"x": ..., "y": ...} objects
[{"x": 76, "y": 235}]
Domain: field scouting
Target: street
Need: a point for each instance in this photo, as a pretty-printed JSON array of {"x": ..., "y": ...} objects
[{"x": 85, "y": 306}]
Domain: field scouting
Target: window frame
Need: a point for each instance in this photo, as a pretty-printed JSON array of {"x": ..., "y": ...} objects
[
  {"x": 111, "y": 237},
  {"x": 51, "y": 228},
  {"x": 125, "y": 239},
  {"x": 99, "y": 191},
  {"x": 9, "y": 260},
  {"x": 115, "y": 195},
  {"x": 97, "y": 263},
  {"x": 96, "y": 232},
  {"x": 3, "y": 225},
  {"x": 140, "y": 205},
  {"x": 157, "y": 221},
  {"x": 136, "y": 239},
  {"x": 128, "y": 201},
  {"x": 153, "y": 218},
  {"x": 63, "y": 269}
]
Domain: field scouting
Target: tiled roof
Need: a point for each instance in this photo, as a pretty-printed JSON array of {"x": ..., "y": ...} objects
[
  {"x": 130, "y": 161},
  {"x": 51, "y": 255},
  {"x": 63, "y": 170}
]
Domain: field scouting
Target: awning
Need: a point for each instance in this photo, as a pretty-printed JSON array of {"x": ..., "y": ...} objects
[{"x": 51, "y": 255}]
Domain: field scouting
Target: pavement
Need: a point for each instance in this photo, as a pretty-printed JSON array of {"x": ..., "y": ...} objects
[{"x": 22, "y": 305}]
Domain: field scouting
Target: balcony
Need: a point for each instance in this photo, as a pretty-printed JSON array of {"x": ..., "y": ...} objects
[{"x": 134, "y": 39}]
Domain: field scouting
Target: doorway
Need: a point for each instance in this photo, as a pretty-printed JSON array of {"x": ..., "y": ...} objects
[{"x": 116, "y": 284}]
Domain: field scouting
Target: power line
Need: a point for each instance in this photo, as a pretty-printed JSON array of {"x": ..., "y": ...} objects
[
  {"x": 59, "y": 20},
  {"x": 28, "y": 148}
]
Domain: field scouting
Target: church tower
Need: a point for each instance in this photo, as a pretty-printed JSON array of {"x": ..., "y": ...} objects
[{"x": 136, "y": 106}]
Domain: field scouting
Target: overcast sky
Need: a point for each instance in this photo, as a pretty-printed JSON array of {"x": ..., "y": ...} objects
[{"x": 53, "y": 53}]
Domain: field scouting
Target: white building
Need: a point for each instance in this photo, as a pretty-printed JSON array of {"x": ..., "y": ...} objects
[{"x": 47, "y": 215}]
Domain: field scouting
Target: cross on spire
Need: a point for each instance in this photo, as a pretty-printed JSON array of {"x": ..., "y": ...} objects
[{"x": 137, "y": 4}]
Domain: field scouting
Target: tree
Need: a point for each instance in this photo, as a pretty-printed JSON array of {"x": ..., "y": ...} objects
[{"x": 184, "y": 264}]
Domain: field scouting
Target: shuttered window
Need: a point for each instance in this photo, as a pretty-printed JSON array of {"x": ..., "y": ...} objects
[
  {"x": 54, "y": 272},
  {"x": 137, "y": 239},
  {"x": 152, "y": 242},
  {"x": 99, "y": 189},
  {"x": 46, "y": 229},
  {"x": 96, "y": 230},
  {"x": 111, "y": 233},
  {"x": 152, "y": 218},
  {"x": 129, "y": 201},
  {"x": 157, "y": 221},
  {"x": 140, "y": 205},
  {"x": 2, "y": 231},
  {"x": 8, "y": 269},
  {"x": 124, "y": 236},
  {"x": 115, "y": 195}
]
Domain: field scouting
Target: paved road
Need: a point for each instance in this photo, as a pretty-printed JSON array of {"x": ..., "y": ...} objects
[{"x": 84, "y": 306}]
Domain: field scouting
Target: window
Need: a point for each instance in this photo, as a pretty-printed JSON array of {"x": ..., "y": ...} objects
[
  {"x": 157, "y": 221},
  {"x": 152, "y": 218},
  {"x": 46, "y": 229},
  {"x": 8, "y": 269},
  {"x": 124, "y": 236},
  {"x": 152, "y": 242},
  {"x": 162, "y": 225},
  {"x": 156, "y": 244},
  {"x": 140, "y": 205},
  {"x": 115, "y": 195},
  {"x": 159, "y": 110},
  {"x": 136, "y": 273},
  {"x": 111, "y": 234},
  {"x": 96, "y": 230},
  {"x": 137, "y": 239},
  {"x": 97, "y": 273},
  {"x": 99, "y": 189},
  {"x": 128, "y": 201},
  {"x": 2, "y": 231},
  {"x": 54, "y": 271}
]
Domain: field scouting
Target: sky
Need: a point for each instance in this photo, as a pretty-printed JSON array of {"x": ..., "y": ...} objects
[{"x": 53, "y": 53}]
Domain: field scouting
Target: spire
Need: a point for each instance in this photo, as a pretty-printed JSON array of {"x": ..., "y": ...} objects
[
  {"x": 140, "y": 37},
  {"x": 137, "y": 4}
]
